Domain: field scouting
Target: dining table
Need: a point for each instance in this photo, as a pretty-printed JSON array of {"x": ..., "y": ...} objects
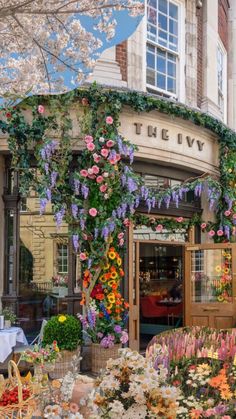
[{"x": 9, "y": 339}]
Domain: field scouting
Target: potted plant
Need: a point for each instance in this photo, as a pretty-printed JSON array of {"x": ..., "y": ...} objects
[
  {"x": 43, "y": 359},
  {"x": 66, "y": 330},
  {"x": 107, "y": 335},
  {"x": 60, "y": 285},
  {"x": 9, "y": 317}
]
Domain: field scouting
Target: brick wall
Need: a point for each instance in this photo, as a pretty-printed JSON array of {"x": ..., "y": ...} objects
[
  {"x": 199, "y": 56},
  {"x": 223, "y": 6},
  {"x": 121, "y": 58}
]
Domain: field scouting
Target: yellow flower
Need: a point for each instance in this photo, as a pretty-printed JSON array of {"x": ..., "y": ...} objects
[
  {"x": 106, "y": 267},
  {"x": 218, "y": 268},
  {"x": 226, "y": 270},
  {"x": 62, "y": 318},
  {"x": 102, "y": 278},
  {"x": 111, "y": 282},
  {"x": 114, "y": 275},
  {"x": 220, "y": 298},
  {"x": 230, "y": 170},
  {"x": 111, "y": 298},
  {"x": 109, "y": 306},
  {"x": 119, "y": 261},
  {"x": 112, "y": 255}
]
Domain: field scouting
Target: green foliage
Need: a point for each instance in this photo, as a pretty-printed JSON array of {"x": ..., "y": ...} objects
[
  {"x": 65, "y": 329},
  {"x": 9, "y": 314}
]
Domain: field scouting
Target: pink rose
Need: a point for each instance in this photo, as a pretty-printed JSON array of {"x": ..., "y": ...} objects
[
  {"x": 93, "y": 212},
  {"x": 90, "y": 171},
  {"x": 120, "y": 235},
  {"x": 126, "y": 222},
  {"x": 82, "y": 256},
  {"x": 96, "y": 158},
  {"x": 41, "y": 109},
  {"x": 95, "y": 169},
  {"x": 234, "y": 216},
  {"x": 124, "y": 337},
  {"x": 112, "y": 161},
  {"x": 84, "y": 173},
  {"x": 99, "y": 179},
  {"x": 88, "y": 139},
  {"x": 227, "y": 213},
  {"x": 211, "y": 233},
  {"x": 103, "y": 188},
  {"x": 90, "y": 146},
  {"x": 121, "y": 242},
  {"x": 104, "y": 152},
  {"x": 109, "y": 120},
  {"x": 118, "y": 157},
  {"x": 220, "y": 232},
  {"x": 179, "y": 219},
  {"x": 203, "y": 225},
  {"x": 110, "y": 143},
  {"x": 159, "y": 227}
]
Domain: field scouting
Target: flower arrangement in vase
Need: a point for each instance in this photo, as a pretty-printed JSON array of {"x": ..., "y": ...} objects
[
  {"x": 60, "y": 285},
  {"x": 9, "y": 317}
]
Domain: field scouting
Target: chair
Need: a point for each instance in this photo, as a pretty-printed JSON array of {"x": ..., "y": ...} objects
[
  {"x": 150, "y": 309},
  {"x": 18, "y": 350}
]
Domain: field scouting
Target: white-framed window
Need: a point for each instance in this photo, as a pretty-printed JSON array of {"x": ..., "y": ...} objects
[
  {"x": 222, "y": 79},
  {"x": 163, "y": 46},
  {"x": 62, "y": 258}
]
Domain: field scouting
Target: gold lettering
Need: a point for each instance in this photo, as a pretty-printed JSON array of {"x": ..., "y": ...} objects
[
  {"x": 200, "y": 145},
  {"x": 138, "y": 128},
  {"x": 190, "y": 141},
  {"x": 152, "y": 131},
  {"x": 164, "y": 134},
  {"x": 180, "y": 139}
]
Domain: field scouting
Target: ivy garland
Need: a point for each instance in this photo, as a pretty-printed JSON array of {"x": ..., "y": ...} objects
[{"x": 98, "y": 199}]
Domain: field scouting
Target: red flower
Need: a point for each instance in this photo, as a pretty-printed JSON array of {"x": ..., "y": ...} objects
[{"x": 8, "y": 115}]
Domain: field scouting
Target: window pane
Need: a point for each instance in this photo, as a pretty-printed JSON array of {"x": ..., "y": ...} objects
[
  {"x": 162, "y": 35},
  {"x": 161, "y": 64},
  {"x": 162, "y": 21},
  {"x": 151, "y": 60},
  {"x": 173, "y": 10},
  {"x": 161, "y": 81},
  {"x": 171, "y": 85},
  {"x": 171, "y": 69},
  {"x": 171, "y": 57},
  {"x": 151, "y": 77},
  {"x": 152, "y": 3},
  {"x": 163, "y": 6},
  {"x": 173, "y": 27},
  {"x": 152, "y": 18},
  {"x": 152, "y": 32}
]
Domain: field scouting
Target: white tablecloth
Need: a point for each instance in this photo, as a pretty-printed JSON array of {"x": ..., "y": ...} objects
[{"x": 9, "y": 339}]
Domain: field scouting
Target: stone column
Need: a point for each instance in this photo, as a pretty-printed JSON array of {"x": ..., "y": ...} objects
[
  {"x": 210, "y": 43},
  {"x": 191, "y": 53},
  {"x": 136, "y": 68},
  {"x": 1, "y": 227}
]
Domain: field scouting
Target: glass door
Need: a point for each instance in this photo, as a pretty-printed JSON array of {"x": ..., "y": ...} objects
[{"x": 210, "y": 288}]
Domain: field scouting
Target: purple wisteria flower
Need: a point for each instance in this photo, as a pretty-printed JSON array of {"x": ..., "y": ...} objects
[
  {"x": 96, "y": 231},
  {"x": 92, "y": 315},
  {"x": 54, "y": 175},
  {"x": 46, "y": 168},
  {"x": 59, "y": 216},
  {"x": 132, "y": 185},
  {"x": 43, "y": 203},
  {"x": 85, "y": 191},
  {"x": 77, "y": 186},
  {"x": 49, "y": 194},
  {"x": 83, "y": 321},
  {"x": 105, "y": 232},
  {"x": 74, "y": 210},
  {"x": 75, "y": 241}
]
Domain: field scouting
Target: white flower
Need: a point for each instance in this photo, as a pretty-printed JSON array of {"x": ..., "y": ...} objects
[
  {"x": 116, "y": 409},
  {"x": 136, "y": 412}
]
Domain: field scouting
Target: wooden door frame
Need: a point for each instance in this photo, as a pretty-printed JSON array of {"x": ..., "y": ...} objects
[
  {"x": 208, "y": 246},
  {"x": 133, "y": 283}
]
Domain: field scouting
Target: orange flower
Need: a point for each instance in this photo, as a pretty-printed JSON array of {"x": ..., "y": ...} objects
[
  {"x": 99, "y": 296},
  {"x": 195, "y": 413},
  {"x": 114, "y": 286},
  {"x": 122, "y": 272},
  {"x": 126, "y": 305},
  {"x": 82, "y": 302}
]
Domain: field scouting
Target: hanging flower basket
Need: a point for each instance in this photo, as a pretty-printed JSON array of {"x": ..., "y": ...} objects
[{"x": 101, "y": 355}]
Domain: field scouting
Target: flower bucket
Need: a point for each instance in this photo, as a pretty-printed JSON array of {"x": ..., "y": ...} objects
[
  {"x": 64, "y": 364},
  {"x": 101, "y": 355}
]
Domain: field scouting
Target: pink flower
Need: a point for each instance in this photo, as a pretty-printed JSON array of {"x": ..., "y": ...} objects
[
  {"x": 234, "y": 216},
  {"x": 124, "y": 337},
  {"x": 82, "y": 256},
  {"x": 121, "y": 242},
  {"x": 109, "y": 120},
  {"x": 118, "y": 157},
  {"x": 211, "y": 233},
  {"x": 227, "y": 213},
  {"x": 110, "y": 143},
  {"x": 159, "y": 227},
  {"x": 84, "y": 101},
  {"x": 203, "y": 225},
  {"x": 41, "y": 109},
  {"x": 120, "y": 235},
  {"x": 84, "y": 173},
  {"x": 103, "y": 188},
  {"x": 99, "y": 179},
  {"x": 220, "y": 233},
  {"x": 90, "y": 171},
  {"x": 88, "y": 139},
  {"x": 126, "y": 222},
  {"x": 104, "y": 152},
  {"x": 93, "y": 212},
  {"x": 96, "y": 158},
  {"x": 101, "y": 140},
  {"x": 95, "y": 169},
  {"x": 90, "y": 146},
  {"x": 179, "y": 219},
  {"x": 105, "y": 174}
]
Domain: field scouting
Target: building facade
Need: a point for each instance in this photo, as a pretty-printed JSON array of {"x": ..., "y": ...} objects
[{"x": 183, "y": 51}]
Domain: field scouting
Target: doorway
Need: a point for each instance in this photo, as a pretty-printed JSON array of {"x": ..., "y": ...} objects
[{"x": 160, "y": 288}]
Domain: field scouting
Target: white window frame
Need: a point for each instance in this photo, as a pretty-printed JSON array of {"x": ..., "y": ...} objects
[
  {"x": 180, "y": 62},
  {"x": 57, "y": 258},
  {"x": 223, "y": 92}
]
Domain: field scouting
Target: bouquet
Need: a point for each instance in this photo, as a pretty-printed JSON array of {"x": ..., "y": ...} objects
[
  {"x": 102, "y": 328},
  {"x": 41, "y": 356},
  {"x": 60, "y": 281},
  {"x": 131, "y": 387}
]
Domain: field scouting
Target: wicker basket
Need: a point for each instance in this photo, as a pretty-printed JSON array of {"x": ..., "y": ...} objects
[
  {"x": 24, "y": 408},
  {"x": 63, "y": 364},
  {"x": 101, "y": 355}
]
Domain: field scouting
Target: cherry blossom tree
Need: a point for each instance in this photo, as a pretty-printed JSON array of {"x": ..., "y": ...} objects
[{"x": 42, "y": 40}]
